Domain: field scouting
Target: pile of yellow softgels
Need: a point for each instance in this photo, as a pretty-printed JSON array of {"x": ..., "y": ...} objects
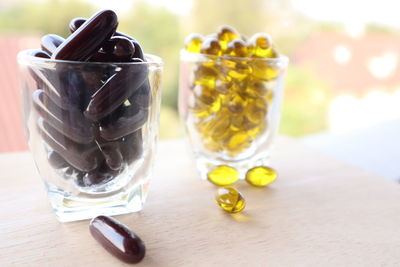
[{"x": 231, "y": 88}]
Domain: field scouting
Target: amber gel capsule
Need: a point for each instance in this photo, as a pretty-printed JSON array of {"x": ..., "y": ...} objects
[
  {"x": 261, "y": 176},
  {"x": 223, "y": 175},
  {"x": 117, "y": 239},
  {"x": 230, "y": 200}
]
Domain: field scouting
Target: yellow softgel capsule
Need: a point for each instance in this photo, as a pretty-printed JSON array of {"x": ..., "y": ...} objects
[
  {"x": 261, "y": 176},
  {"x": 256, "y": 110},
  {"x": 260, "y": 45},
  {"x": 230, "y": 200},
  {"x": 193, "y": 42},
  {"x": 205, "y": 94},
  {"x": 237, "y": 48},
  {"x": 240, "y": 72},
  {"x": 223, "y": 175},
  {"x": 225, "y": 35},
  {"x": 256, "y": 88},
  {"x": 236, "y": 103},
  {"x": 211, "y": 46},
  {"x": 264, "y": 70},
  {"x": 205, "y": 75}
]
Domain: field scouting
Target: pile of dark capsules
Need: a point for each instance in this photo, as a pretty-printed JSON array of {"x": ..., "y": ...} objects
[{"x": 90, "y": 116}]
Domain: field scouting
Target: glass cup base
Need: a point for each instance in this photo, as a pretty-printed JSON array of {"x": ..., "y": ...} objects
[
  {"x": 69, "y": 208},
  {"x": 205, "y": 164}
]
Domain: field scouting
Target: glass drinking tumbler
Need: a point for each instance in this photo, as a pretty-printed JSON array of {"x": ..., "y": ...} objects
[
  {"x": 92, "y": 129},
  {"x": 231, "y": 108}
]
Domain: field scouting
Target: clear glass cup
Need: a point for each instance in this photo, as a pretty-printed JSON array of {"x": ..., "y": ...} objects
[
  {"x": 231, "y": 108},
  {"x": 92, "y": 129}
]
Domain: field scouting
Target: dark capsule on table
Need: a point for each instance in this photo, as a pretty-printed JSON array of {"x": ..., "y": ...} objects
[
  {"x": 117, "y": 239},
  {"x": 88, "y": 38},
  {"x": 82, "y": 157},
  {"x": 50, "y": 42},
  {"x": 70, "y": 122},
  {"x": 115, "y": 91}
]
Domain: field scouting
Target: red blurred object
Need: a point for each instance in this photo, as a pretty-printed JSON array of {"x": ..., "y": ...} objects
[{"x": 12, "y": 136}]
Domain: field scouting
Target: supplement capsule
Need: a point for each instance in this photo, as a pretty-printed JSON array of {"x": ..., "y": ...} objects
[
  {"x": 237, "y": 48},
  {"x": 88, "y": 38},
  {"x": 261, "y": 176},
  {"x": 223, "y": 175},
  {"x": 77, "y": 22},
  {"x": 193, "y": 42},
  {"x": 230, "y": 200},
  {"x": 81, "y": 157},
  {"x": 120, "y": 48},
  {"x": 225, "y": 35},
  {"x": 131, "y": 119},
  {"x": 260, "y": 45},
  {"x": 211, "y": 46},
  {"x": 117, "y": 239},
  {"x": 115, "y": 91},
  {"x": 50, "y": 42},
  {"x": 56, "y": 160},
  {"x": 70, "y": 122}
]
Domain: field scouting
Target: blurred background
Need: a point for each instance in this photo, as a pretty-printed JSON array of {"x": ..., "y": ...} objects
[{"x": 342, "y": 92}]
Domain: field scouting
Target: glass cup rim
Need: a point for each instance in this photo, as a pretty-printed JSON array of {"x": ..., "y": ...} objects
[
  {"x": 198, "y": 57},
  {"x": 24, "y": 56}
]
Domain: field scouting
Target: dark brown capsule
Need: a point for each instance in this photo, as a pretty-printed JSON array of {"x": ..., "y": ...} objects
[
  {"x": 112, "y": 154},
  {"x": 38, "y": 53},
  {"x": 50, "y": 42},
  {"x": 115, "y": 91},
  {"x": 77, "y": 22},
  {"x": 83, "y": 157},
  {"x": 88, "y": 38},
  {"x": 132, "y": 146},
  {"x": 131, "y": 119},
  {"x": 142, "y": 96},
  {"x": 120, "y": 47},
  {"x": 70, "y": 122},
  {"x": 35, "y": 76},
  {"x": 117, "y": 239},
  {"x": 56, "y": 160},
  {"x": 64, "y": 85}
]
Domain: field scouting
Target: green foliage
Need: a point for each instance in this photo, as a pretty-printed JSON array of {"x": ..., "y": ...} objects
[
  {"x": 306, "y": 102},
  {"x": 49, "y": 16},
  {"x": 158, "y": 30},
  {"x": 162, "y": 33}
]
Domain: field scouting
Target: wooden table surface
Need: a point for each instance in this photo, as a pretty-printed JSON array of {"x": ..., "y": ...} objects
[{"x": 320, "y": 212}]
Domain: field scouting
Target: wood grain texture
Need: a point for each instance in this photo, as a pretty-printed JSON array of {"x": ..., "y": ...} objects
[{"x": 320, "y": 212}]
